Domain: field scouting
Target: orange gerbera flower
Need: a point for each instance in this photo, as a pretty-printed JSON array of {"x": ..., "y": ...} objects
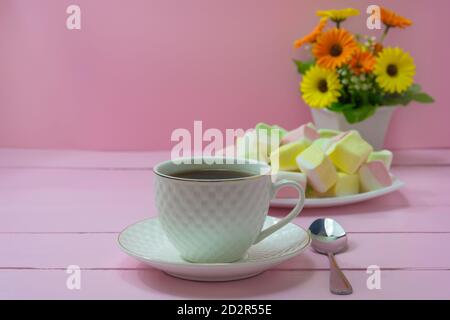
[
  {"x": 312, "y": 37},
  {"x": 334, "y": 48},
  {"x": 362, "y": 61},
  {"x": 377, "y": 48},
  {"x": 391, "y": 19}
]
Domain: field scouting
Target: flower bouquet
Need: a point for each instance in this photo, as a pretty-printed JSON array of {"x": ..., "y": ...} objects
[{"x": 354, "y": 74}]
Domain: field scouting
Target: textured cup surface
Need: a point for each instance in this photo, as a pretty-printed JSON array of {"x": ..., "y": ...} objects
[{"x": 212, "y": 221}]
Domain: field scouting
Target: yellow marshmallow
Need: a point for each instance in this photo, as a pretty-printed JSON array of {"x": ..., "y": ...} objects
[
  {"x": 350, "y": 152},
  {"x": 298, "y": 177},
  {"x": 318, "y": 168},
  {"x": 283, "y": 158},
  {"x": 267, "y": 143},
  {"x": 310, "y": 193},
  {"x": 346, "y": 184}
]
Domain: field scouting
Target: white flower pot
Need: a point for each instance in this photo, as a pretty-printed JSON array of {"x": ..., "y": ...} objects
[{"x": 372, "y": 129}]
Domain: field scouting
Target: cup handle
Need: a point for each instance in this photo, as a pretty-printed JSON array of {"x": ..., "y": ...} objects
[{"x": 298, "y": 207}]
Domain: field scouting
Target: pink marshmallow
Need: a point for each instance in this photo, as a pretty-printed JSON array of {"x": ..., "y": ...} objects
[
  {"x": 374, "y": 175},
  {"x": 307, "y": 131}
]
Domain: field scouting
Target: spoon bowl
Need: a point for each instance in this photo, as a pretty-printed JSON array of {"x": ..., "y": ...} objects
[{"x": 328, "y": 236}]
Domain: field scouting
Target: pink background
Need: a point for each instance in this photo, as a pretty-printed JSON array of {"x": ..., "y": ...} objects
[{"x": 139, "y": 69}]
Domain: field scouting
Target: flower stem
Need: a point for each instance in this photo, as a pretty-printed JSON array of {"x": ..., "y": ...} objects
[
  {"x": 385, "y": 33},
  {"x": 338, "y": 24}
]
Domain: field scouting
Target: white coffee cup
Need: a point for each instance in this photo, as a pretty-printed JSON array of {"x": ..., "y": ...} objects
[{"x": 217, "y": 220}]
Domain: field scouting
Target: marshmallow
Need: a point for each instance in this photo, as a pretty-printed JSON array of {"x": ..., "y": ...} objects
[
  {"x": 263, "y": 126},
  {"x": 323, "y": 143},
  {"x": 249, "y": 147},
  {"x": 341, "y": 135},
  {"x": 384, "y": 156},
  {"x": 283, "y": 158},
  {"x": 318, "y": 168},
  {"x": 346, "y": 184},
  {"x": 310, "y": 193},
  {"x": 268, "y": 129},
  {"x": 267, "y": 143},
  {"x": 349, "y": 152},
  {"x": 327, "y": 133},
  {"x": 298, "y": 177},
  {"x": 374, "y": 175},
  {"x": 326, "y": 143},
  {"x": 282, "y": 131},
  {"x": 307, "y": 131}
]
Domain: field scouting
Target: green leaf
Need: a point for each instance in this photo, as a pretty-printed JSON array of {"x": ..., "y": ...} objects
[
  {"x": 422, "y": 97},
  {"x": 396, "y": 99},
  {"x": 340, "y": 107},
  {"x": 375, "y": 99},
  {"x": 415, "y": 87},
  {"x": 359, "y": 114},
  {"x": 303, "y": 66},
  {"x": 413, "y": 93}
]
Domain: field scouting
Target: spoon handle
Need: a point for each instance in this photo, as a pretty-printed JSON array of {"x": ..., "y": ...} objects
[{"x": 338, "y": 282}]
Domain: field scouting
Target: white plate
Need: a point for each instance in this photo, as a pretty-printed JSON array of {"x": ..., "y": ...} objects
[
  {"x": 340, "y": 201},
  {"x": 147, "y": 242}
]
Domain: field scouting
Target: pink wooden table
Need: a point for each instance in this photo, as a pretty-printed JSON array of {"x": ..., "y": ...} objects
[{"x": 61, "y": 208}]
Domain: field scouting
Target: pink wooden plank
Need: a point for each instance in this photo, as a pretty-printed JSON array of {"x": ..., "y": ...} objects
[
  {"x": 105, "y": 159},
  {"x": 422, "y": 157},
  {"x": 374, "y": 217},
  {"x": 423, "y": 186},
  {"x": 75, "y": 200},
  {"x": 95, "y": 216},
  {"x": 422, "y": 251},
  {"x": 152, "y": 284},
  {"x": 392, "y": 250},
  {"x": 36, "y": 158}
]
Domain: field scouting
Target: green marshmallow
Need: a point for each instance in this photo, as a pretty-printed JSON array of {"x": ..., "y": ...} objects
[
  {"x": 264, "y": 127},
  {"x": 323, "y": 143},
  {"x": 328, "y": 133},
  {"x": 384, "y": 156},
  {"x": 282, "y": 131}
]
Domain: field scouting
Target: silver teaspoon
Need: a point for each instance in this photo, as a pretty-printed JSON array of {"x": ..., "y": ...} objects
[{"x": 328, "y": 237}]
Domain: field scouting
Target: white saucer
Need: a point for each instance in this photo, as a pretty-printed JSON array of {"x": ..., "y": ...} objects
[
  {"x": 339, "y": 201},
  {"x": 147, "y": 242}
]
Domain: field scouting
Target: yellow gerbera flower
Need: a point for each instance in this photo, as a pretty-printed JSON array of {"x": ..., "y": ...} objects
[
  {"x": 320, "y": 87},
  {"x": 338, "y": 15},
  {"x": 334, "y": 48},
  {"x": 395, "y": 70}
]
